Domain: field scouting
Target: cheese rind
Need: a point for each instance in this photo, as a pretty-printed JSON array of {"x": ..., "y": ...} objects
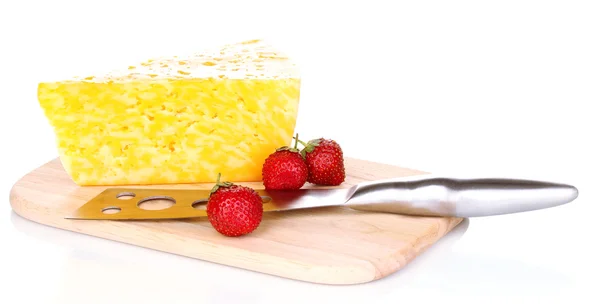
[{"x": 117, "y": 130}]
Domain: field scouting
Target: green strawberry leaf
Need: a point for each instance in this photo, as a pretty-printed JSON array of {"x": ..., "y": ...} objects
[
  {"x": 310, "y": 146},
  {"x": 220, "y": 184}
]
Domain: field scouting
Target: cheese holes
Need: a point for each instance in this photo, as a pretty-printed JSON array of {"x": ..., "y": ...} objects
[
  {"x": 200, "y": 204},
  {"x": 111, "y": 210},
  {"x": 125, "y": 195},
  {"x": 156, "y": 203}
]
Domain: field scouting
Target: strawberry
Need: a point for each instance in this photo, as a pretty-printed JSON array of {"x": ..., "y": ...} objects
[
  {"x": 325, "y": 161},
  {"x": 285, "y": 169},
  {"x": 234, "y": 210}
]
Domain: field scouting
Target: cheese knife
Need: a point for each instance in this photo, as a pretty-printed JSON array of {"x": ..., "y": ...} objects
[{"x": 417, "y": 195}]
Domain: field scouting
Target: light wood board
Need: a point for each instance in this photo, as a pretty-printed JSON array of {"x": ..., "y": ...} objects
[{"x": 333, "y": 245}]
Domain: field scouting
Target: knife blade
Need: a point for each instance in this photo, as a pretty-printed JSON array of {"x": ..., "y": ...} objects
[{"x": 417, "y": 195}]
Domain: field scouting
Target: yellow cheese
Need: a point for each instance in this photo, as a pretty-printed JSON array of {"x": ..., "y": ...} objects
[{"x": 176, "y": 119}]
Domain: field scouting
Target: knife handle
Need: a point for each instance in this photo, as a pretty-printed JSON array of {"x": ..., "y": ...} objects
[{"x": 458, "y": 197}]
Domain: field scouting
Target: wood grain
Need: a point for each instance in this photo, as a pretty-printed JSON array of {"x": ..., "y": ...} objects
[{"x": 327, "y": 245}]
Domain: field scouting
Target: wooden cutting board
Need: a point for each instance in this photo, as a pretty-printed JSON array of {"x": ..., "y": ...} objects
[{"x": 333, "y": 245}]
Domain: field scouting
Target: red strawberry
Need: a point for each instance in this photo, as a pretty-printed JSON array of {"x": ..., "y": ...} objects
[
  {"x": 234, "y": 210},
  {"x": 325, "y": 161},
  {"x": 285, "y": 169}
]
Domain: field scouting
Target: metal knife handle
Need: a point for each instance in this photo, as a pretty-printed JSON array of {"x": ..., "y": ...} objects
[{"x": 458, "y": 197}]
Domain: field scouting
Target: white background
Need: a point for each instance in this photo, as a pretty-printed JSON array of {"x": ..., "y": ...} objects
[{"x": 466, "y": 88}]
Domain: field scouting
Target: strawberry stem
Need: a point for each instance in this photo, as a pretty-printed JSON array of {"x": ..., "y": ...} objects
[
  {"x": 299, "y": 141},
  {"x": 296, "y": 143},
  {"x": 220, "y": 184}
]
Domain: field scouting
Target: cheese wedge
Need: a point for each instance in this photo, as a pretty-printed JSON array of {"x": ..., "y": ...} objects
[{"x": 176, "y": 119}]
